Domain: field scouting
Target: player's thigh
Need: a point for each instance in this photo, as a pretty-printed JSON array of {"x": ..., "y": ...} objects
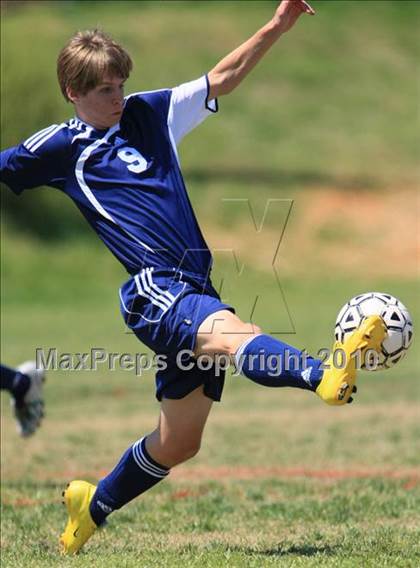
[{"x": 223, "y": 332}]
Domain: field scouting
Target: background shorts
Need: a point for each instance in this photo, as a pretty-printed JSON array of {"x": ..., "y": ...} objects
[{"x": 165, "y": 308}]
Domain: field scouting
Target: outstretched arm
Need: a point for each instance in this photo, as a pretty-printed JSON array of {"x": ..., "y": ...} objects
[{"x": 232, "y": 69}]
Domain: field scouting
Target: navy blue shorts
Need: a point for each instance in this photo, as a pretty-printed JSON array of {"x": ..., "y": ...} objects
[{"x": 165, "y": 308}]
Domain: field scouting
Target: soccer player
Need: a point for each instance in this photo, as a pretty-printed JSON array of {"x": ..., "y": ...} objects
[
  {"x": 25, "y": 386},
  {"x": 118, "y": 161}
]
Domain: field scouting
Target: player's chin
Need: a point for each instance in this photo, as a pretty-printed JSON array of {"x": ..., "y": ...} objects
[
  {"x": 112, "y": 121},
  {"x": 114, "y": 118}
]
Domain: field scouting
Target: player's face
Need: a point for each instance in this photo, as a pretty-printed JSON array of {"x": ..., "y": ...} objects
[{"x": 102, "y": 106}]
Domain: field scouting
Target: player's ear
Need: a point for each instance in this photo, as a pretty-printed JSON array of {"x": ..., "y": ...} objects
[{"x": 72, "y": 95}]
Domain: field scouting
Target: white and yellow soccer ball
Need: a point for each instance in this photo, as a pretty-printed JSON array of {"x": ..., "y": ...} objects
[{"x": 397, "y": 320}]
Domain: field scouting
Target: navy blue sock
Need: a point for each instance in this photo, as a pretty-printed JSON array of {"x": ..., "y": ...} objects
[
  {"x": 272, "y": 363},
  {"x": 135, "y": 473},
  {"x": 15, "y": 382}
]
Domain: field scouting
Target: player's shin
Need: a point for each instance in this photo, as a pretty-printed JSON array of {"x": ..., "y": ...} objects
[
  {"x": 135, "y": 473},
  {"x": 272, "y": 363}
]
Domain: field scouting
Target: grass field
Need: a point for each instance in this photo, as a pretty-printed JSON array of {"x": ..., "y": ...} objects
[{"x": 281, "y": 480}]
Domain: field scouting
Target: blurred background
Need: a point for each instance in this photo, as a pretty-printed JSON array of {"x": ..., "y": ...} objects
[{"x": 328, "y": 122}]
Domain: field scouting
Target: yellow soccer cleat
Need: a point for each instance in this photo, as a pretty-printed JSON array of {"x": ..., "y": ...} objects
[
  {"x": 338, "y": 384},
  {"x": 80, "y": 525}
]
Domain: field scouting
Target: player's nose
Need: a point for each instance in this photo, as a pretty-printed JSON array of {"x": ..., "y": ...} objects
[
  {"x": 117, "y": 100},
  {"x": 117, "y": 104}
]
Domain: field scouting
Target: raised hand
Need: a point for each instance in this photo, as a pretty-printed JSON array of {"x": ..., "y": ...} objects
[{"x": 288, "y": 13}]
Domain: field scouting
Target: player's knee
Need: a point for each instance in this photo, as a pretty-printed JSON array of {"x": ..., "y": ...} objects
[
  {"x": 257, "y": 329},
  {"x": 244, "y": 332},
  {"x": 182, "y": 451},
  {"x": 190, "y": 450}
]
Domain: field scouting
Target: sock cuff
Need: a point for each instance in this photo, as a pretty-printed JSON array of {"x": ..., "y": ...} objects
[
  {"x": 241, "y": 349},
  {"x": 145, "y": 462}
]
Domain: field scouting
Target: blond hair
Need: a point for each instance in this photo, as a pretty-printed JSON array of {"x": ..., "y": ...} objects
[{"x": 88, "y": 57}]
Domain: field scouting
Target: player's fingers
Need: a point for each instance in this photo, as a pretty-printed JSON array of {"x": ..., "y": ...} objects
[{"x": 307, "y": 9}]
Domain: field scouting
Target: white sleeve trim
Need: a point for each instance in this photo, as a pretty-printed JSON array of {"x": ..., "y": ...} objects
[{"x": 189, "y": 106}]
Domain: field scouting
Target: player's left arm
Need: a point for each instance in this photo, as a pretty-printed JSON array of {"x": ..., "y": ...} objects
[{"x": 233, "y": 68}]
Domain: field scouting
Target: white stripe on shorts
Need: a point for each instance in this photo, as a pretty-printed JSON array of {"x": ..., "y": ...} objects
[
  {"x": 145, "y": 293},
  {"x": 148, "y": 287},
  {"x": 165, "y": 293}
]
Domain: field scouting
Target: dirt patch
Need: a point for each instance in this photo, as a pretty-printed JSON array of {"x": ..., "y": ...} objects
[
  {"x": 27, "y": 502},
  {"x": 401, "y": 413},
  {"x": 376, "y": 234},
  {"x": 248, "y": 473},
  {"x": 197, "y": 474},
  {"x": 189, "y": 493}
]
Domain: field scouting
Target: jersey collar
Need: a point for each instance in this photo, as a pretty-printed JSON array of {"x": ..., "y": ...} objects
[{"x": 100, "y": 131}]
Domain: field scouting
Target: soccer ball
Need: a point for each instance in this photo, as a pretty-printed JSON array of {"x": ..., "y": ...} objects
[{"x": 397, "y": 320}]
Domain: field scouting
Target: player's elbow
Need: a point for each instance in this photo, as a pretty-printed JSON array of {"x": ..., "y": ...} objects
[{"x": 220, "y": 84}]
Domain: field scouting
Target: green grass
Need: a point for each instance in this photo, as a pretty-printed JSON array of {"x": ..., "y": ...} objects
[
  {"x": 270, "y": 523},
  {"x": 281, "y": 480}
]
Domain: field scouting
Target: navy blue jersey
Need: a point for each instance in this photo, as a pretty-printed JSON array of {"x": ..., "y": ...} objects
[{"x": 125, "y": 180}]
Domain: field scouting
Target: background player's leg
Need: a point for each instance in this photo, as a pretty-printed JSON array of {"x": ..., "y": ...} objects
[
  {"x": 260, "y": 357},
  {"x": 25, "y": 384},
  {"x": 14, "y": 381},
  {"x": 176, "y": 439}
]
